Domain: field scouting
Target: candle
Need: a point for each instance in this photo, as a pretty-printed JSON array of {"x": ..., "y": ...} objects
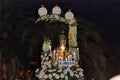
[
  {"x": 59, "y": 61},
  {"x": 70, "y": 57},
  {"x": 57, "y": 57},
  {"x": 61, "y": 58},
  {"x": 78, "y": 52},
  {"x": 66, "y": 59},
  {"x": 62, "y": 47},
  {"x": 74, "y": 56},
  {"x": 54, "y": 54},
  {"x": 50, "y": 48}
]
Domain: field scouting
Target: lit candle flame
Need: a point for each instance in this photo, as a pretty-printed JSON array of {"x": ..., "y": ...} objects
[
  {"x": 66, "y": 59},
  {"x": 62, "y": 47}
]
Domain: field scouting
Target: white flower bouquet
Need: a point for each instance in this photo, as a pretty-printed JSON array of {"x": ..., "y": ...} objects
[
  {"x": 51, "y": 72},
  {"x": 64, "y": 73},
  {"x": 46, "y": 45}
]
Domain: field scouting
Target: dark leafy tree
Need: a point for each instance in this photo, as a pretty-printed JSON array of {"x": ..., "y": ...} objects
[
  {"x": 92, "y": 52},
  {"x": 15, "y": 26}
]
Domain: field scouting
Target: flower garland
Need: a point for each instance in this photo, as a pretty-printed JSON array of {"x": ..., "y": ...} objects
[
  {"x": 55, "y": 16},
  {"x": 46, "y": 45}
]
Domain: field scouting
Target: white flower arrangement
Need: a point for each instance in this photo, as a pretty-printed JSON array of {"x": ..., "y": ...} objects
[
  {"x": 53, "y": 71},
  {"x": 46, "y": 45},
  {"x": 49, "y": 71}
]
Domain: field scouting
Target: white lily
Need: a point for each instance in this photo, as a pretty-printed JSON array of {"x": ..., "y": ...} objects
[
  {"x": 59, "y": 70},
  {"x": 36, "y": 70},
  {"x": 49, "y": 65},
  {"x": 65, "y": 71},
  {"x": 81, "y": 74},
  {"x": 43, "y": 60},
  {"x": 54, "y": 74},
  {"x": 41, "y": 56},
  {"x": 54, "y": 69},
  {"x": 66, "y": 77},
  {"x": 46, "y": 62},
  {"x": 71, "y": 73},
  {"x": 47, "y": 58},
  {"x": 45, "y": 76},
  {"x": 57, "y": 76},
  {"x": 68, "y": 68},
  {"x": 50, "y": 76},
  {"x": 45, "y": 54},
  {"x": 79, "y": 69},
  {"x": 62, "y": 75},
  {"x": 44, "y": 66},
  {"x": 41, "y": 74},
  {"x": 50, "y": 70},
  {"x": 55, "y": 63},
  {"x": 77, "y": 75}
]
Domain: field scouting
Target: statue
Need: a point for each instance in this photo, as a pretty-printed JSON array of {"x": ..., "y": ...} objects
[{"x": 61, "y": 53}]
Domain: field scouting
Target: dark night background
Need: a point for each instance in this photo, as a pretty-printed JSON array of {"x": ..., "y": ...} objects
[{"x": 105, "y": 14}]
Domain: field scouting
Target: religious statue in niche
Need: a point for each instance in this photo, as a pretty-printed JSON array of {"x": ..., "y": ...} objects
[{"x": 62, "y": 53}]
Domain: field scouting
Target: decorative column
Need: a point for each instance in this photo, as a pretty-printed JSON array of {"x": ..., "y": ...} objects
[{"x": 72, "y": 35}]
